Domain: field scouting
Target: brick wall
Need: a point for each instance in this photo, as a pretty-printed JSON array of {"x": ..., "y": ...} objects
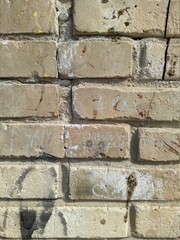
[{"x": 89, "y": 119}]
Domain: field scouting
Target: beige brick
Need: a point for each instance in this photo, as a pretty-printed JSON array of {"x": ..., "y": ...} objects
[
  {"x": 136, "y": 18},
  {"x": 30, "y": 16},
  {"x": 159, "y": 144},
  {"x": 63, "y": 222},
  {"x": 29, "y": 100},
  {"x": 31, "y": 140},
  {"x": 157, "y": 221},
  {"x": 27, "y": 59},
  {"x": 102, "y": 183},
  {"x": 95, "y": 59},
  {"x": 173, "y": 26},
  {"x": 121, "y": 103},
  {"x": 97, "y": 141},
  {"x": 173, "y": 60},
  {"x": 30, "y": 181},
  {"x": 153, "y": 59}
]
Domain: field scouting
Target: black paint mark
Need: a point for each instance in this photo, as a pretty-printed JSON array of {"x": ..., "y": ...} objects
[
  {"x": 27, "y": 223},
  {"x": 131, "y": 184},
  {"x": 20, "y": 180},
  {"x": 63, "y": 221}
]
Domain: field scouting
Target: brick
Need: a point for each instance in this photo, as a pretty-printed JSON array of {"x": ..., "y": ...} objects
[
  {"x": 28, "y": 16},
  {"x": 130, "y": 17},
  {"x": 29, "y": 100},
  {"x": 153, "y": 59},
  {"x": 102, "y": 183},
  {"x": 157, "y": 221},
  {"x": 31, "y": 140},
  {"x": 64, "y": 222},
  {"x": 95, "y": 59},
  {"x": 29, "y": 181},
  {"x": 122, "y": 103},
  {"x": 159, "y": 144},
  {"x": 173, "y": 60},
  {"x": 28, "y": 59},
  {"x": 173, "y": 26},
  {"x": 97, "y": 141}
]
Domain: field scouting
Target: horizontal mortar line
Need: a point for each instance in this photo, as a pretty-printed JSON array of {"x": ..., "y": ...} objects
[{"x": 65, "y": 201}]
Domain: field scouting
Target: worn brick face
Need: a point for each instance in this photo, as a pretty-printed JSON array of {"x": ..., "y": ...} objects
[
  {"x": 129, "y": 18},
  {"x": 92, "y": 183},
  {"x": 95, "y": 59},
  {"x": 30, "y": 16},
  {"x": 31, "y": 140},
  {"x": 97, "y": 141},
  {"x": 18, "y": 63},
  {"x": 162, "y": 221},
  {"x": 29, "y": 181},
  {"x": 29, "y": 100},
  {"x": 117, "y": 103},
  {"x": 89, "y": 119},
  {"x": 159, "y": 144},
  {"x": 173, "y": 26},
  {"x": 173, "y": 60},
  {"x": 64, "y": 222},
  {"x": 152, "y": 60}
]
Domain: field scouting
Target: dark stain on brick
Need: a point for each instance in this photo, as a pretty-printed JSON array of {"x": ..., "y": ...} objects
[
  {"x": 103, "y": 221},
  {"x": 84, "y": 49},
  {"x": 89, "y": 143},
  {"x": 63, "y": 221},
  {"x": 101, "y": 145},
  {"x": 140, "y": 95},
  {"x": 53, "y": 172},
  {"x": 111, "y": 29},
  {"x": 104, "y": 1},
  {"x": 20, "y": 180},
  {"x": 126, "y": 24},
  {"x": 27, "y": 223},
  {"x": 131, "y": 185}
]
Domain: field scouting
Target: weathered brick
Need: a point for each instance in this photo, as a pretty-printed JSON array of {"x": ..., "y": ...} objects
[
  {"x": 121, "y": 103},
  {"x": 173, "y": 26},
  {"x": 30, "y": 16},
  {"x": 137, "y": 18},
  {"x": 97, "y": 141},
  {"x": 27, "y": 59},
  {"x": 29, "y": 100},
  {"x": 103, "y": 183},
  {"x": 157, "y": 221},
  {"x": 30, "y": 181},
  {"x": 159, "y": 144},
  {"x": 31, "y": 140},
  {"x": 173, "y": 60},
  {"x": 153, "y": 59},
  {"x": 95, "y": 59},
  {"x": 63, "y": 222}
]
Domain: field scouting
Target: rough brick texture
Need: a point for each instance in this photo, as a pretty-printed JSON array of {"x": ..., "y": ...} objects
[
  {"x": 112, "y": 184},
  {"x": 31, "y": 140},
  {"x": 89, "y": 119},
  {"x": 18, "y": 63},
  {"x": 64, "y": 222},
  {"x": 159, "y": 144},
  {"x": 95, "y": 59},
  {"x": 117, "y": 103},
  {"x": 173, "y": 60},
  {"x": 17, "y": 101},
  {"x": 162, "y": 221},
  {"x": 97, "y": 141},
  {"x": 28, "y": 16},
  {"x": 16, "y": 181},
  {"x": 120, "y": 17}
]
